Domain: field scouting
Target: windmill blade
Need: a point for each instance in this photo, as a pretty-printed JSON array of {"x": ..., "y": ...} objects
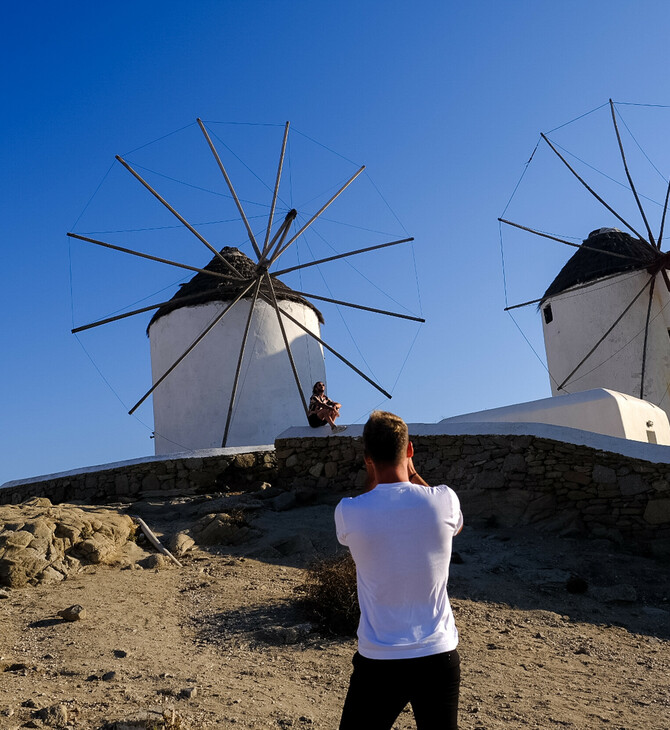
[
  {"x": 239, "y": 361},
  {"x": 358, "y": 306},
  {"x": 218, "y": 275},
  {"x": 100, "y": 322},
  {"x": 280, "y": 236},
  {"x": 267, "y": 245},
  {"x": 179, "y": 217},
  {"x": 646, "y": 333},
  {"x": 567, "y": 243},
  {"x": 286, "y": 342},
  {"x": 278, "y": 252},
  {"x": 628, "y": 175},
  {"x": 329, "y": 348},
  {"x": 664, "y": 274},
  {"x": 231, "y": 188},
  {"x": 570, "y": 290},
  {"x": 341, "y": 256},
  {"x": 192, "y": 346},
  {"x": 665, "y": 210},
  {"x": 591, "y": 190},
  {"x": 616, "y": 322}
]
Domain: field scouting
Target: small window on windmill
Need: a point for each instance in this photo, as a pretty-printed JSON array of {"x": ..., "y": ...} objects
[
  {"x": 668, "y": 331},
  {"x": 549, "y": 315},
  {"x": 651, "y": 437}
]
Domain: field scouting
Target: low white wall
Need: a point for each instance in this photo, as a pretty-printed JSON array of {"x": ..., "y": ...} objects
[{"x": 598, "y": 410}]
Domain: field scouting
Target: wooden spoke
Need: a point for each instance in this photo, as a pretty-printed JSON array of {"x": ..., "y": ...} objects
[
  {"x": 665, "y": 210},
  {"x": 280, "y": 235},
  {"x": 646, "y": 334},
  {"x": 182, "y": 300},
  {"x": 572, "y": 289},
  {"x": 231, "y": 188},
  {"x": 216, "y": 274},
  {"x": 197, "y": 341},
  {"x": 616, "y": 322},
  {"x": 267, "y": 245},
  {"x": 358, "y": 306},
  {"x": 341, "y": 256},
  {"x": 286, "y": 342},
  {"x": 591, "y": 190},
  {"x": 567, "y": 243},
  {"x": 328, "y": 347},
  {"x": 180, "y": 218},
  {"x": 277, "y": 253},
  {"x": 239, "y": 361},
  {"x": 628, "y": 175}
]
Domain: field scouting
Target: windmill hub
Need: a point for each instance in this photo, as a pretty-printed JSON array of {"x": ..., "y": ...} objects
[{"x": 663, "y": 262}]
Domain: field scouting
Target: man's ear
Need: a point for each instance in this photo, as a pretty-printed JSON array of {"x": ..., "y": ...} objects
[{"x": 410, "y": 449}]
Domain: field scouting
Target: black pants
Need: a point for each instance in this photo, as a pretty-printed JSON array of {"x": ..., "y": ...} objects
[{"x": 379, "y": 689}]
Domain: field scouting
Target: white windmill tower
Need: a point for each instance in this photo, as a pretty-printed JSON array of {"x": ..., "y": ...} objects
[
  {"x": 605, "y": 317},
  {"x": 231, "y": 348},
  {"x": 605, "y": 322},
  {"x": 192, "y": 405}
]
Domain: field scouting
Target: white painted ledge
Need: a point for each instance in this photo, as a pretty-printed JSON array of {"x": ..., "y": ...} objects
[
  {"x": 634, "y": 449},
  {"x": 182, "y": 455}
]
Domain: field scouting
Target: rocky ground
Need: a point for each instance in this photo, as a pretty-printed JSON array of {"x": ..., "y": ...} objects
[{"x": 555, "y": 632}]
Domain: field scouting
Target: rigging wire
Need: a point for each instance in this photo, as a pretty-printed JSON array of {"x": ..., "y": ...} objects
[
  {"x": 158, "y": 139},
  {"x": 344, "y": 322},
  {"x": 306, "y": 136},
  {"x": 241, "y": 161},
  {"x": 604, "y": 174},
  {"x": 581, "y": 116},
  {"x": 166, "y": 228},
  {"x": 639, "y": 146},
  {"x": 525, "y": 169},
  {"x": 125, "y": 406},
  {"x": 196, "y": 187}
]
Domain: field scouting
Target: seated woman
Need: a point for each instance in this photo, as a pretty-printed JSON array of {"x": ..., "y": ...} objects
[{"x": 322, "y": 410}]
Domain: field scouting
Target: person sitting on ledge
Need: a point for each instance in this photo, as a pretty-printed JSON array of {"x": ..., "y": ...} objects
[{"x": 322, "y": 410}]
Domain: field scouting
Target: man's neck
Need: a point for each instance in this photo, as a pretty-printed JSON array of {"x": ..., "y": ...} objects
[{"x": 392, "y": 473}]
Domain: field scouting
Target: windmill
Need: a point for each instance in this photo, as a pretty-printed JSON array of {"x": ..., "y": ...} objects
[
  {"x": 605, "y": 316},
  {"x": 200, "y": 338}
]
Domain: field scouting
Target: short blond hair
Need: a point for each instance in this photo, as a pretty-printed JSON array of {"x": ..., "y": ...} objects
[{"x": 385, "y": 438}]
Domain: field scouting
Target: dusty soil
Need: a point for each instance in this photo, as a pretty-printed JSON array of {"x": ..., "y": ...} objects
[{"x": 222, "y": 642}]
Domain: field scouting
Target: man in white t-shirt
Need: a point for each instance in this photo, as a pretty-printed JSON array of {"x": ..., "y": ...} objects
[{"x": 399, "y": 533}]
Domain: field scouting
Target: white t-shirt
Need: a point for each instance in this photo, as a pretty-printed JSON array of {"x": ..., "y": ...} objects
[{"x": 400, "y": 538}]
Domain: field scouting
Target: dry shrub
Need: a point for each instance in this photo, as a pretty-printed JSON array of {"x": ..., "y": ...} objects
[{"x": 330, "y": 595}]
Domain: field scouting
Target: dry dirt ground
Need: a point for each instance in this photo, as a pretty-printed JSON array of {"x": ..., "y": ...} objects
[{"x": 220, "y": 642}]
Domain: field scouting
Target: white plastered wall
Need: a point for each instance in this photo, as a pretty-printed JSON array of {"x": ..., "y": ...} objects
[
  {"x": 599, "y": 410},
  {"x": 581, "y": 318},
  {"x": 191, "y": 404}
]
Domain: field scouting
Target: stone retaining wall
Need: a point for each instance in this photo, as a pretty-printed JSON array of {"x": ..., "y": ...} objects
[
  {"x": 512, "y": 480},
  {"x": 155, "y": 477},
  {"x": 508, "y": 479}
]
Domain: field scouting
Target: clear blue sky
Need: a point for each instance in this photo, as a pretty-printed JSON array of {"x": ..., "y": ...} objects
[{"x": 442, "y": 101}]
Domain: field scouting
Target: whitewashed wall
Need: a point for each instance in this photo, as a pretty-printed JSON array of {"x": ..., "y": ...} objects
[
  {"x": 191, "y": 405},
  {"x": 581, "y": 318},
  {"x": 599, "y": 411}
]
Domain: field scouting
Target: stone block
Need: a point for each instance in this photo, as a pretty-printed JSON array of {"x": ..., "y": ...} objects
[
  {"x": 489, "y": 480},
  {"x": 330, "y": 469},
  {"x": 244, "y": 461},
  {"x": 631, "y": 484},
  {"x": 577, "y": 477},
  {"x": 657, "y": 512},
  {"x": 316, "y": 469},
  {"x": 292, "y": 461}
]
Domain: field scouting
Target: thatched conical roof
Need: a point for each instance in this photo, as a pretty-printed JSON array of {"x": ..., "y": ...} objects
[
  {"x": 588, "y": 265},
  {"x": 202, "y": 288}
]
